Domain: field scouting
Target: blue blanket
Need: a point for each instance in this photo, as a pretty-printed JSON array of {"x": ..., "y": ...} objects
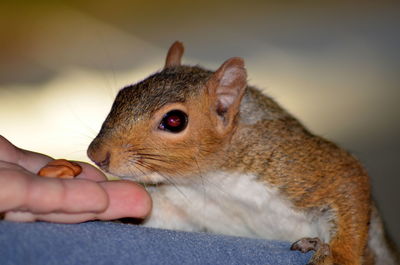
[{"x": 115, "y": 243}]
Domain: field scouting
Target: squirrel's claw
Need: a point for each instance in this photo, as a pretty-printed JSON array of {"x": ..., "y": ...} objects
[{"x": 322, "y": 250}]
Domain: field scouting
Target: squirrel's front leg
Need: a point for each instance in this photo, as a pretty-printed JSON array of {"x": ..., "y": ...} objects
[
  {"x": 323, "y": 254},
  {"x": 347, "y": 245}
]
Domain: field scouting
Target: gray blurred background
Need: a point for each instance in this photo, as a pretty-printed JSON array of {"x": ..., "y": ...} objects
[{"x": 333, "y": 64}]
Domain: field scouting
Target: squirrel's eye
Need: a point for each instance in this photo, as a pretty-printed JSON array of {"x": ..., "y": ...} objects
[{"x": 174, "y": 121}]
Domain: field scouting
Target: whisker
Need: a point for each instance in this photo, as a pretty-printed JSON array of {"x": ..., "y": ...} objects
[
  {"x": 203, "y": 188},
  {"x": 167, "y": 178},
  {"x": 148, "y": 154},
  {"x": 156, "y": 159},
  {"x": 144, "y": 184}
]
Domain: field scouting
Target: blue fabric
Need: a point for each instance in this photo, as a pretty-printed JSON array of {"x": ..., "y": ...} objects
[{"x": 114, "y": 243}]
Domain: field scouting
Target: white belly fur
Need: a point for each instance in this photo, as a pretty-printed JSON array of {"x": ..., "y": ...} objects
[{"x": 234, "y": 205}]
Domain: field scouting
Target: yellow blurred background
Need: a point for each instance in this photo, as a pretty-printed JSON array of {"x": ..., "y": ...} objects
[{"x": 333, "y": 64}]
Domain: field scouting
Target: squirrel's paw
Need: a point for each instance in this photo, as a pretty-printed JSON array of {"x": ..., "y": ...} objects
[{"x": 322, "y": 255}]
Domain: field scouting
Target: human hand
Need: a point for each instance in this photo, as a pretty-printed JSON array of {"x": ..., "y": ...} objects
[{"x": 25, "y": 196}]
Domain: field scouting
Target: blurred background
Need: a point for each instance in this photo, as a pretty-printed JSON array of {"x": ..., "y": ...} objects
[{"x": 334, "y": 64}]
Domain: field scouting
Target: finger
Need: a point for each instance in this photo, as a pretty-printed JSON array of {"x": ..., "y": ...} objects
[
  {"x": 67, "y": 218},
  {"x": 65, "y": 195},
  {"x": 13, "y": 186},
  {"x": 90, "y": 172},
  {"x": 8, "y": 151},
  {"x": 23, "y": 190},
  {"x": 10, "y": 166},
  {"x": 27, "y": 159},
  {"x": 32, "y": 161},
  {"x": 127, "y": 199}
]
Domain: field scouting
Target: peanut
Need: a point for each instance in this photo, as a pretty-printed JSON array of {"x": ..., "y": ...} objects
[{"x": 60, "y": 168}]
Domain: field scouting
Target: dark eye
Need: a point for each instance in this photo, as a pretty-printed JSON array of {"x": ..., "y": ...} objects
[{"x": 174, "y": 121}]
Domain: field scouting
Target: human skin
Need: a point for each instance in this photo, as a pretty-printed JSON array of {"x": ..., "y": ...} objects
[{"x": 26, "y": 197}]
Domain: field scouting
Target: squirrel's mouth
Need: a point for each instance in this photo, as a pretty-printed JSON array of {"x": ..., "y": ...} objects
[
  {"x": 151, "y": 178},
  {"x": 147, "y": 177}
]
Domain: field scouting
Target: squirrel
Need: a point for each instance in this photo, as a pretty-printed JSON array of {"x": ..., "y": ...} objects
[{"x": 219, "y": 155}]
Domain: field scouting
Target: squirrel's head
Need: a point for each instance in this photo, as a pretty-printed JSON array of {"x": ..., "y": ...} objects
[{"x": 174, "y": 123}]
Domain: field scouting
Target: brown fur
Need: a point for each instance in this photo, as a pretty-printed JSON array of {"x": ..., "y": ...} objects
[{"x": 236, "y": 128}]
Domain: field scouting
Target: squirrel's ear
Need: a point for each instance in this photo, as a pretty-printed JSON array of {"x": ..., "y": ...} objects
[
  {"x": 226, "y": 88},
  {"x": 174, "y": 55}
]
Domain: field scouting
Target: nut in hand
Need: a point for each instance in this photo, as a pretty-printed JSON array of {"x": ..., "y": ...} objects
[{"x": 60, "y": 168}]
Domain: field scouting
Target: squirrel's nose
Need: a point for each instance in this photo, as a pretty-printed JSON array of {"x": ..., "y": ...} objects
[
  {"x": 99, "y": 156},
  {"x": 104, "y": 163}
]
